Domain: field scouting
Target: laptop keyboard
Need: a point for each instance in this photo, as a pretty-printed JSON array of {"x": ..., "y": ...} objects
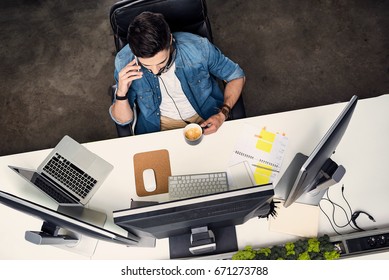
[
  {"x": 70, "y": 175},
  {"x": 53, "y": 193},
  {"x": 184, "y": 186}
]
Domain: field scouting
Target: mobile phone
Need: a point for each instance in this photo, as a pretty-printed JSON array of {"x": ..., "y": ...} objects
[{"x": 137, "y": 62}]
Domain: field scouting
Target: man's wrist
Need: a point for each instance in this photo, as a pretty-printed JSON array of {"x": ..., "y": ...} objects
[
  {"x": 121, "y": 97},
  {"x": 222, "y": 116},
  {"x": 225, "y": 110}
]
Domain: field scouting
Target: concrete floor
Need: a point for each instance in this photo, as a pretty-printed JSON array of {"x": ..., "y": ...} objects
[{"x": 57, "y": 61}]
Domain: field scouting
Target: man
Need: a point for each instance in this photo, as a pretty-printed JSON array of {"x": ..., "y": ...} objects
[{"x": 170, "y": 78}]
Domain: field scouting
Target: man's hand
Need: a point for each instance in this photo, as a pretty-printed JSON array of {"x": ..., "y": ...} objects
[
  {"x": 121, "y": 110},
  {"x": 129, "y": 73},
  {"x": 232, "y": 91},
  {"x": 212, "y": 124}
]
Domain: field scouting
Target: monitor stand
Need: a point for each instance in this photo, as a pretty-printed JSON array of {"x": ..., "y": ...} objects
[
  {"x": 221, "y": 240},
  {"x": 51, "y": 234},
  {"x": 330, "y": 174}
]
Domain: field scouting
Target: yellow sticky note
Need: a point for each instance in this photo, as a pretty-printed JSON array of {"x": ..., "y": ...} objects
[
  {"x": 261, "y": 179},
  {"x": 265, "y": 140},
  {"x": 262, "y": 175},
  {"x": 267, "y": 136},
  {"x": 264, "y": 146}
]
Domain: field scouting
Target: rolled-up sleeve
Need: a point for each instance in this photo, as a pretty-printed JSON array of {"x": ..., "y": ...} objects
[
  {"x": 220, "y": 65},
  {"x": 110, "y": 111}
]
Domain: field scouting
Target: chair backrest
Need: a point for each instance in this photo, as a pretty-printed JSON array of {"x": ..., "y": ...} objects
[{"x": 181, "y": 15}]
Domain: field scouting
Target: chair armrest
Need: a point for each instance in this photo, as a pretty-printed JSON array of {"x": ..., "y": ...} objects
[
  {"x": 124, "y": 130},
  {"x": 238, "y": 111}
]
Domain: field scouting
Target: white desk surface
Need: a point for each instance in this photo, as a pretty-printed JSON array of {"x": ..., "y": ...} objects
[{"x": 364, "y": 151}]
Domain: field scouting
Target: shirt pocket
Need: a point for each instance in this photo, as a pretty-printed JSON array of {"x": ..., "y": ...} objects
[
  {"x": 200, "y": 79},
  {"x": 145, "y": 101}
]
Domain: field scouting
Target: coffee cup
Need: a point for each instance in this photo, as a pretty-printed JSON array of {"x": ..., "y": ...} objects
[{"x": 193, "y": 134}]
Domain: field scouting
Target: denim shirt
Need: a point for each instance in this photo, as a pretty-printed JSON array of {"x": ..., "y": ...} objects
[{"x": 198, "y": 62}]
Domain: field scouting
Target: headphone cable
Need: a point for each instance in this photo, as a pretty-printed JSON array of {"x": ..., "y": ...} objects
[{"x": 175, "y": 105}]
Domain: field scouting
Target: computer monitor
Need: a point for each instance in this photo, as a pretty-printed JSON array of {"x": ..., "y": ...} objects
[
  {"x": 308, "y": 177},
  {"x": 73, "y": 228},
  {"x": 199, "y": 225}
]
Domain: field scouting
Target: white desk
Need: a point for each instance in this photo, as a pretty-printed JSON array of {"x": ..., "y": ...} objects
[{"x": 364, "y": 151}]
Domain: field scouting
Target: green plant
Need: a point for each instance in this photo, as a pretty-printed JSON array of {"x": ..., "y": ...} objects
[{"x": 304, "y": 249}]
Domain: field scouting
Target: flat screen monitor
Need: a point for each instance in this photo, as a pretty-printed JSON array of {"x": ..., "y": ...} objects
[
  {"x": 199, "y": 225},
  {"x": 74, "y": 228},
  {"x": 308, "y": 177}
]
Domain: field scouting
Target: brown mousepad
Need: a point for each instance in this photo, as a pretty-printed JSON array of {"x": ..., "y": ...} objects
[{"x": 157, "y": 160}]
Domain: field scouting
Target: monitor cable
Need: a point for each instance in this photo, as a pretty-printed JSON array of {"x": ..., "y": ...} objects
[
  {"x": 350, "y": 221},
  {"x": 356, "y": 215},
  {"x": 335, "y": 205}
]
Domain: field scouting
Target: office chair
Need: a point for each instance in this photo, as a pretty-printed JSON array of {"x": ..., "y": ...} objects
[{"x": 181, "y": 15}]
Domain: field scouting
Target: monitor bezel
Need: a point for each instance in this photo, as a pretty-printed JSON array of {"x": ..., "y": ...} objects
[
  {"x": 65, "y": 221},
  {"x": 124, "y": 217}
]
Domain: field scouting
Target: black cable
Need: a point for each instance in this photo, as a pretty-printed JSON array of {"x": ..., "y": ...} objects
[
  {"x": 328, "y": 218},
  {"x": 334, "y": 205},
  {"x": 348, "y": 204},
  {"x": 356, "y": 215}
]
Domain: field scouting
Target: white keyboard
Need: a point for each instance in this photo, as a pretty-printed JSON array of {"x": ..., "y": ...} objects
[{"x": 184, "y": 186}]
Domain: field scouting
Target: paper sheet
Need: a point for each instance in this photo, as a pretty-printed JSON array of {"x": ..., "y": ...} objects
[
  {"x": 263, "y": 150},
  {"x": 239, "y": 176},
  {"x": 297, "y": 219}
]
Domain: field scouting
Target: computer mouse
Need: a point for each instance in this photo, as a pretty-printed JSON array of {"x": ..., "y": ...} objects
[{"x": 149, "y": 180}]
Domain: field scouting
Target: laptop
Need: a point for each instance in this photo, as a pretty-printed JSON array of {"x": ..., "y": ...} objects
[{"x": 70, "y": 174}]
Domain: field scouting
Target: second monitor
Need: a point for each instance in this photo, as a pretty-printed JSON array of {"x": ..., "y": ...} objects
[
  {"x": 308, "y": 177},
  {"x": 198, "y": 225}
]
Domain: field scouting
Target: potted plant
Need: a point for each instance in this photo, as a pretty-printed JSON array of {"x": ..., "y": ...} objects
[{"x": 314, "y": 248}]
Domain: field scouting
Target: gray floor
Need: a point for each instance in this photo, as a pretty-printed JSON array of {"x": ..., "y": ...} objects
[{"x": 57, "y": 61}]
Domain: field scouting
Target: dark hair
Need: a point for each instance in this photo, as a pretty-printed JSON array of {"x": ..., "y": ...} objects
[{"x": 148, "y": 34}]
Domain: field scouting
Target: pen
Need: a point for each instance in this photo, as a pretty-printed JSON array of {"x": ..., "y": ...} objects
[{"x": 266, "y": 168}]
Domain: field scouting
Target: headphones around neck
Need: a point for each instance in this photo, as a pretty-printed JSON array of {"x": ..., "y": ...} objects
[{"x": 172, "y": 58}]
